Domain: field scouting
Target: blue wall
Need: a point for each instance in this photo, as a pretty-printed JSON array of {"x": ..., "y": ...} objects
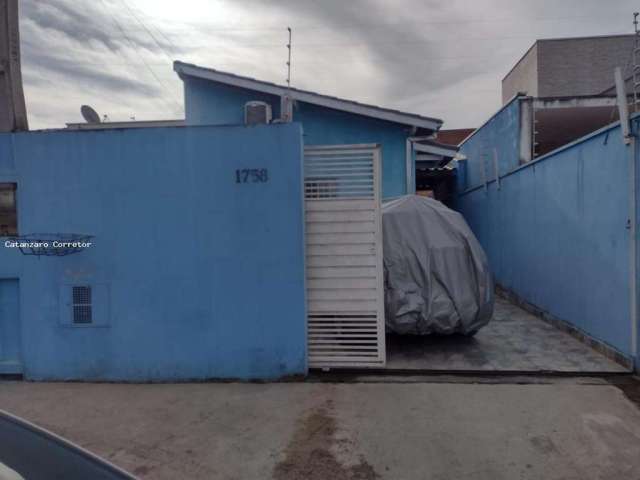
[
  {"x": 196, "y": 275},
  {"x": 211, "y": 103},
  {"x": 10, "y": 341},
  {"x": 500, "y": 136},
  {"x": 556, "y": 232},
  {"x": 208, "y": 103}
]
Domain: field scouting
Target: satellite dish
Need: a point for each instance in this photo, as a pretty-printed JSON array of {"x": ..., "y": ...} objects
[{"x": 89, "y": 114}]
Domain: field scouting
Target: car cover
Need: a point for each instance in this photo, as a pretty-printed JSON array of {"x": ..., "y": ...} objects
[{"x": 437, "y": 277}]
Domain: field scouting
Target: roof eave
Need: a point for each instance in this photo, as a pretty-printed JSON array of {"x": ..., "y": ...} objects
[
  {"x": 433, "y": 124},
  {"x": 436, "y": 149}
]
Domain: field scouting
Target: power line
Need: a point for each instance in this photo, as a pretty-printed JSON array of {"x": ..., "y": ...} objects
[
  {"x": 133, "y": 14},
  {"x": 126, "y": 5},
  {"x": 529, "y": 20},
  {"x": 373, "y": 43},
  {"x": 135, "y": 48},
  {"x": 167, "y": 39}
]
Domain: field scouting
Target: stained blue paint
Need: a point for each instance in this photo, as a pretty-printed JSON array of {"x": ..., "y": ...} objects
[
  {"x": 212, "y": 103},
  {"x": 204, "y": 276},
  {"x": 556, "y": 232},
  {"x": 10, "y": 334},
  {"x": 499, "y": 136}
]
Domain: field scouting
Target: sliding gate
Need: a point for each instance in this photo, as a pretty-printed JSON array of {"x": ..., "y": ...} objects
[{"x": 345, "y": 291}]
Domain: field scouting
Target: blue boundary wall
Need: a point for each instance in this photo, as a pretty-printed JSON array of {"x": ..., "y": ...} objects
[
  {"x": 556, "y": 230},
  {"x": 193, "y": 275},
  {"x": 499, "y": 137},
  {"x": 211, "y": 103}
]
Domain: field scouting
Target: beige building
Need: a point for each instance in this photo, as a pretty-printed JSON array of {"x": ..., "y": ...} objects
[{"x": 569, "y": 67}]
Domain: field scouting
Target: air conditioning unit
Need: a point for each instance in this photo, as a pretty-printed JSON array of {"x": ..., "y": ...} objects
[{"x": 256, "y": 113}]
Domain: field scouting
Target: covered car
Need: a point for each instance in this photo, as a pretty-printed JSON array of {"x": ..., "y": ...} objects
[{"x": 437, "y": 277}]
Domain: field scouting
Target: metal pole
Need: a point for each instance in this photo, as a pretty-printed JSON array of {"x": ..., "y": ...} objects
[
  {"x": 13, "y": 113},
  {"x": 633, "y": 247},
  {"x": 289, "y": 59},
  {"x": 635, "y": 77},
  {"x": 408, "y": 162},
  {"x": 623, "y": 110}
]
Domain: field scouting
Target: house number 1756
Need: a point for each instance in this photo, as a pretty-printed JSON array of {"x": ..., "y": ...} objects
[{"x": 252, "y": 175}]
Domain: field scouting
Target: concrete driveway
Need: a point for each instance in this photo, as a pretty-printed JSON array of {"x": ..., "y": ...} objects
[
  {"x": 421, "y": 428},
  {"x": 514, "y": 341}
]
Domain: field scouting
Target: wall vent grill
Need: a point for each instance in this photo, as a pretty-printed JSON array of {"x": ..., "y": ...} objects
[{"x": 82, "y": 311}]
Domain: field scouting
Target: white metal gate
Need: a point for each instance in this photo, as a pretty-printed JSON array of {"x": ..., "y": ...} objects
[{"x": 345, "y": 290}]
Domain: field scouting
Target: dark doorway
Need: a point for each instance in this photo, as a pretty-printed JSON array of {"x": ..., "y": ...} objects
[{"x": 438, "y": 183}]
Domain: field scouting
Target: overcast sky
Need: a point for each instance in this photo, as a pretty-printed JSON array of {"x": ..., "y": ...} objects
[{"x": 441, "y": 58}]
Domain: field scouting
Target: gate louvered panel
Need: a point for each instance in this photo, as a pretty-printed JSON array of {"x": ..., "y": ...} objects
[{"x": 345, "y": 306}]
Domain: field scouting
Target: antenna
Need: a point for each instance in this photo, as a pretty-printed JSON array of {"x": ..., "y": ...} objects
[
  {"x": 89, "y": 114},
  {"x": 636, "y": 63},
  {"x": 289, "y": 59}
]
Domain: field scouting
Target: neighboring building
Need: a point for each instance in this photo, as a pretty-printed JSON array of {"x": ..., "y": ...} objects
[
  {"x": 435, "y": 173},
  {"x": 435, "y": 177},
  {"x": 569, "y": 67},
  {"x": 565, "y": 88},
  {"x": 213, "y": 97},
  {"x": 454, "y": 136}
]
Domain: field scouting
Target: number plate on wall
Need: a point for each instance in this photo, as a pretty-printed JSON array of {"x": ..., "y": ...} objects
[{"x": 252, "y": 175}]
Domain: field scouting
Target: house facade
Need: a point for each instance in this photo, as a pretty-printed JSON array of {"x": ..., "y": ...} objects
[
  {"x": 218, "y": 98},
  {"x": 216, "y": 246}
]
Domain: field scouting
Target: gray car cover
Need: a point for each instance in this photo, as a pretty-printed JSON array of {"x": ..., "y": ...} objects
[{"x": 437, "y": 277}]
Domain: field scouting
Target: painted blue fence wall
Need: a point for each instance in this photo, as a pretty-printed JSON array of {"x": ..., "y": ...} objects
[
  {"x": 499, "y": 136},
  {"x": 196, "y": 275},
  {"x": 556, "y": 234},
  {"x": 211, "y": 103},
  {"x": 10, "y": 341}
]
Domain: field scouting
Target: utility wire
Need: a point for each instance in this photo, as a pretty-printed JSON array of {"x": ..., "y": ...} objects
[
  {"x": 160, "y": 46},
  {"x": 174, "y": 48},
  {"x": 367, "y": 44},
  {"x": 529, "y": 20},
  {"x": 146, "y": 29},
  {"x": 136, "y": 49},
  {"x": 316, "y": 61}
]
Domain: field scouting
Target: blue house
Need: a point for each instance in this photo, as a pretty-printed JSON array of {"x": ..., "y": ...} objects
[
  {"x": 196, "y": 268},
  {"x": 226, "y": 249},
  {"x": 213, "y": 97}
]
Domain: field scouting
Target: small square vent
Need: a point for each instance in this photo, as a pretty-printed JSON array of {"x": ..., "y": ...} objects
[
  {"x": 82, "y": 312},
  {"x": 256, "y": 113}
]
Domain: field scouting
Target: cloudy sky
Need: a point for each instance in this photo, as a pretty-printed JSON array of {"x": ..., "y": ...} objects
[{"x": 442, "y": 58}]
